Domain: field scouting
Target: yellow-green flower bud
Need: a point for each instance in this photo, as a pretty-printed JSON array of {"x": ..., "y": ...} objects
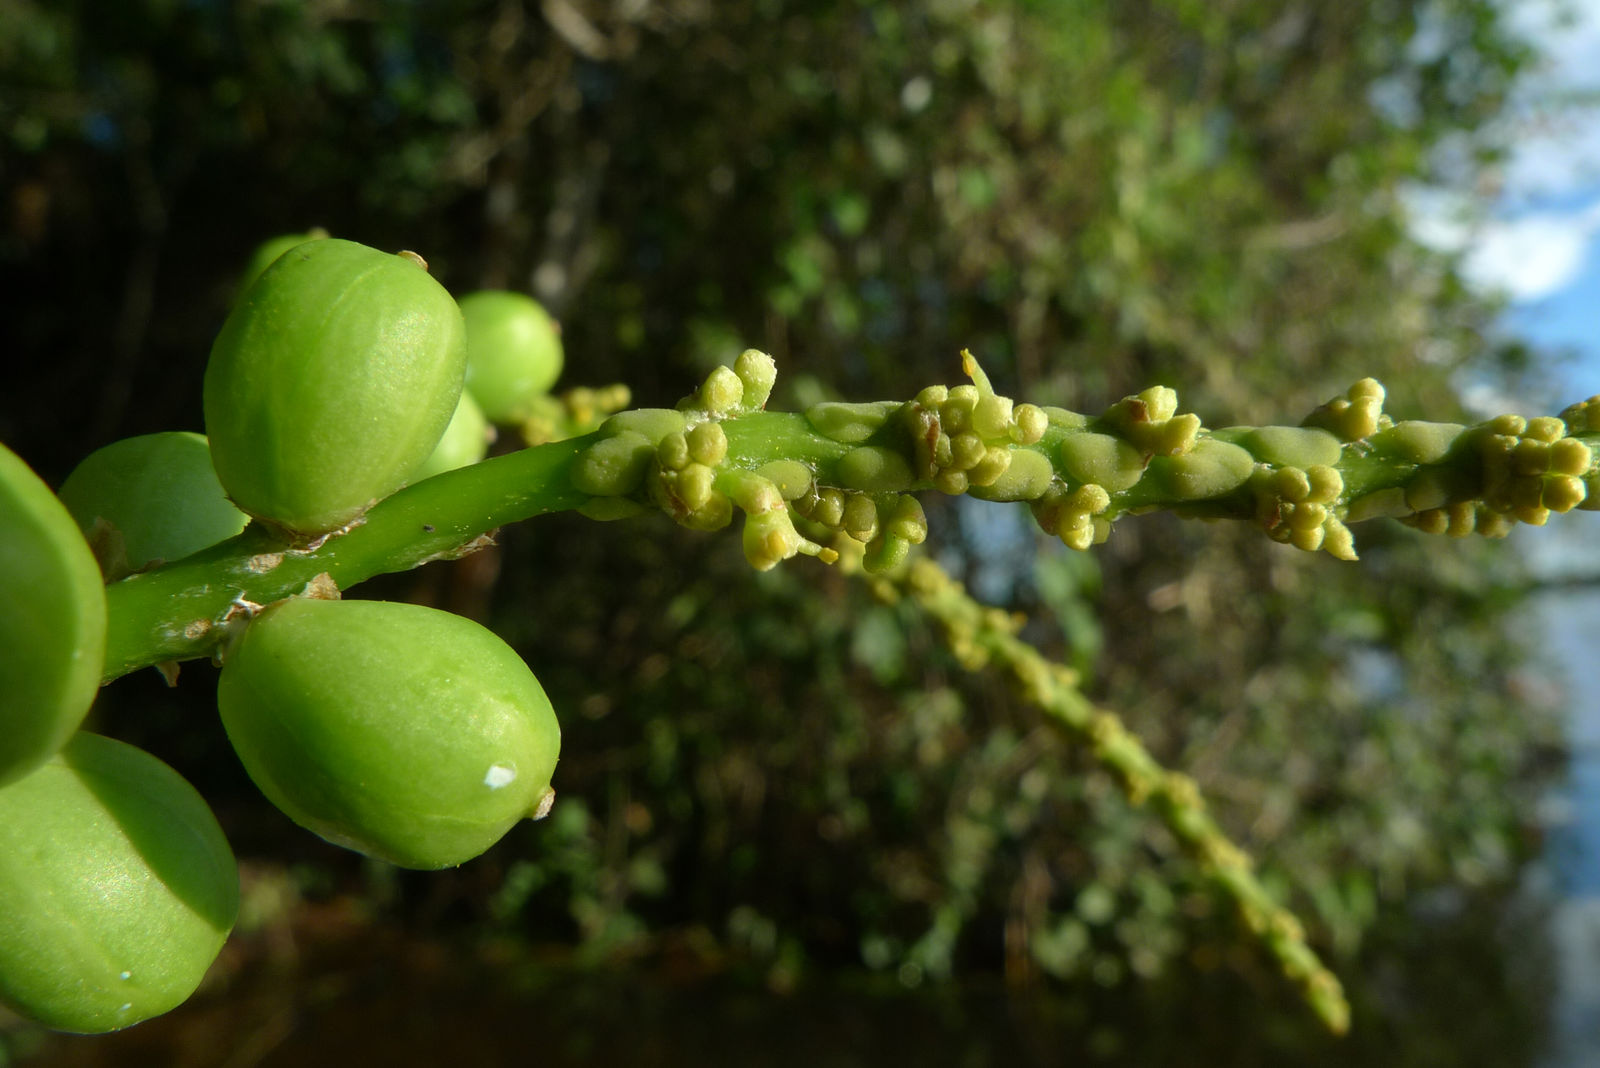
[
  {"x": 1563, "y": 493},
  {"x": 1569, "y": 456},
  {"x": 1176, "y": 436},
  {"x": 908, "y": 522},
  {"x": 696, "y": 483},
  {"x": 860, "y": 517},
  {"x": 770, "y": 538},
  {"x": 885, "y": 553},
  {"x": 708, "y": 444},
  {"x": 966, "y": 451},
  {"x": 1368, "y": 389},
  {"x": 952, "y": 482},
  {"x": 1031, "y": 423},
  {"x": 673, "y": 452},
  {"x": 1509, "y": 425},
  {"x": 1077, "y": 532},
  {"x": 1306, "y": 538},
  {"x": 1545, "y": 428},
  {"x": 830, "y": 508},
  {"x": 1338, "y": 541},
  {"x": 1291, "y": 483},
  {"x": 721, "y": 392},
  {"x": 758, "y": 372},
  {"x": 1307, "y": 515},
  {"x": 1089, "y": 499},
  {"x": 1326, "y": 483},
  {"x": 1492, "y": 524},
  {"x": 714, "y": 515},
  {"x": 991, "y": 419},
  {"x": 996, "y": 461},
  {"x": 1583, "y": 416},
  {"x": 1533, "y": 515}
]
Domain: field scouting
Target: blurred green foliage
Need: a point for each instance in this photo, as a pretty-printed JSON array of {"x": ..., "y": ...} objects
[{"x": 1093, "y": 197}]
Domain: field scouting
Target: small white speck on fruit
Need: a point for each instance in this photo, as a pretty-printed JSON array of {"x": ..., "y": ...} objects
[
  {"x": 499, "y": 775},
  {"x": 125, "y": 976},
  {"x": 126, "y": 1006}
]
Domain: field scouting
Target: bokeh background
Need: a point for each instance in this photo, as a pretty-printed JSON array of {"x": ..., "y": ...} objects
[{"x": 790, "y": 828}]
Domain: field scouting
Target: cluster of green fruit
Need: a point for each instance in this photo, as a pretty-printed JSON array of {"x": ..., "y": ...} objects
[{"x": 403, "y": 732}]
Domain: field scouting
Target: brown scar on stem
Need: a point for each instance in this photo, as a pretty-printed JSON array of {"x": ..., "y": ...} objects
[
  {"x": 261, "y": 563},
  {"x": 309, "y": 547},
  {"x": 466, "y": 548}
]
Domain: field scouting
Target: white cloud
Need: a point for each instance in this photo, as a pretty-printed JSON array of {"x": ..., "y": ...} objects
[
  {"x": 1559, "y": 147},
  {"x": 1533, "y": 256},
  {"x": 1530, "y": 255}
]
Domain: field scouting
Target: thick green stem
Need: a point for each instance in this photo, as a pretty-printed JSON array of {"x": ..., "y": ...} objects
[
  {"x": 1300, "y": 484},
  {"x": 177, "y": 612}
]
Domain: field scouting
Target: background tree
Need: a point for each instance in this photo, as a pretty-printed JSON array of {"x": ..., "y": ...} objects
[{"x": 1093, "y": 198}]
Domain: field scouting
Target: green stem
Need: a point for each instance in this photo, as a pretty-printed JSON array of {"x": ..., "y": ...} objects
[
  {"x": 983, "y": 637},
  {"x": 179, "y": 611},
  {"x": 176, "y": 612}
]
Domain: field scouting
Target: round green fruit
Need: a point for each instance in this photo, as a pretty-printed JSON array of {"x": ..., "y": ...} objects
[
  {"x": 52, "y": 621},
  {"x": 402, "y": 732},
  {"x": 330, "y": 383},
  {"x": 158, "y": 497},
  {"x": 117, "y": 888},
  {"x": 465, "y": 441},
  {"x": 267, "y": 253},
  {"x": 513, "y": 352}
]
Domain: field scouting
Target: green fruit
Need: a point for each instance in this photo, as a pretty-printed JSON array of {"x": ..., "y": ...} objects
[
  {"x": 158, "y": 495},
  {"x": 117, "y": 888},
  {"x": 402, "y": 732},
  {"x": 52, "y": 621},
  {"x": 513, "y": 352},
  {"x": 330, "y": 383},
  {"x": 465, "y": 441},
  {"x": 267, "y": 253}
]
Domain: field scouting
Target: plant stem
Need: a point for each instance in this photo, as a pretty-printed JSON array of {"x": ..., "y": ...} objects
[
  {"x": 982, "y": 637},
  {"x": 1440, "y": 477},
  {"x": 177, "y": 612}
]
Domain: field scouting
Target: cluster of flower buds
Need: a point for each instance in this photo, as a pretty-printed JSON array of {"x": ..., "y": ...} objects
[
  {"x": 1355, "y": 416},
  {"x": 1295, "y": 505},
  {"x": 556, "y": 417},
  {"x": 848, "y": 484}
]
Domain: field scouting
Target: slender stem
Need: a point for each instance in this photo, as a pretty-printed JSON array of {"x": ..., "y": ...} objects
[{"x": 983, "y": 637}]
